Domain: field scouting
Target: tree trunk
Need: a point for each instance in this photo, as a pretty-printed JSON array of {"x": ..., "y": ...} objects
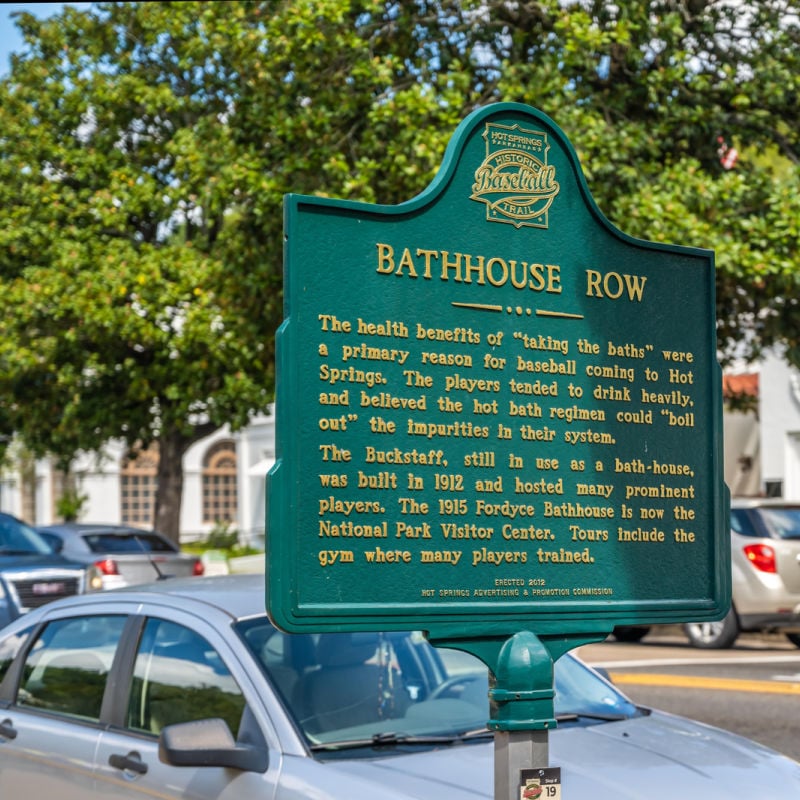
[
  {"x": 169, "y": 492},
  {"x": 172, "y": 447},
  {"x": 27, "y": 485}
]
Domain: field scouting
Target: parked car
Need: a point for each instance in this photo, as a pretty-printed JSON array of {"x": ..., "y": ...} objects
[
  {"x": 765, "y": 560},
  {"x": 183, "y": 688},
  {"x": 31, "y": 575},
  {"x": 124, "y": 556},
  {"x": 765, "y": 564}
]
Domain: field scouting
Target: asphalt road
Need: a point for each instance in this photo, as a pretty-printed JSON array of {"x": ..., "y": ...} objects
[{"x": 752, "y": 689}]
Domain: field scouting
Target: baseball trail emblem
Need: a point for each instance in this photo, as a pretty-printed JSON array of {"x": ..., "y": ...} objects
[{"x": 515, "y": 180}]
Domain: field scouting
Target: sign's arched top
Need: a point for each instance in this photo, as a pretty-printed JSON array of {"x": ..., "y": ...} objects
[{"x": 515, "y": 162}]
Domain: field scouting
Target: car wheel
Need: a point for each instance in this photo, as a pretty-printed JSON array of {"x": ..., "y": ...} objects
[
  {"x": 630, "y": 633},
  {"x": 794, "y": 638},
  {"x": 713, "y": 635}
]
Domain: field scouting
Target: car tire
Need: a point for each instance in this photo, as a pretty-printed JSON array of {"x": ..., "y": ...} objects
[
  {"x": 794, "y": 638},
  {"x": 630, "y": 633},
  {"x": 713, "y": 635}
]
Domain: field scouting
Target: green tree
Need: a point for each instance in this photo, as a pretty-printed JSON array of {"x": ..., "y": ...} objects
[
  {"x": 118, "y": 309},
  {"x": 648, "y": 91}
]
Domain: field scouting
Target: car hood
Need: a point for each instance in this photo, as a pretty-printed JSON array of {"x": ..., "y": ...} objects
[
  {"x": 658, "y": 757},
  {"x": 25, "y": 563}
]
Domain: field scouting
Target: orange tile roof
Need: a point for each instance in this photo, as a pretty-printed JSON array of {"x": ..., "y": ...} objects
[{"x": 738, "y": 385}]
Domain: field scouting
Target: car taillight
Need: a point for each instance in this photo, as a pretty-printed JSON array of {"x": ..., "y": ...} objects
[
  {"x": 762, "y": 557},
  {"x": 198, "y": 568},
  {"x": 107, "y": 566}
]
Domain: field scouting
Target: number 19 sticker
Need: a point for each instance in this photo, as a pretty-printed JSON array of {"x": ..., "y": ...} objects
[{"x": 540, "y": 784}]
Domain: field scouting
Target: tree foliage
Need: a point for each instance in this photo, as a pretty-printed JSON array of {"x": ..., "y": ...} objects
[
  {"x": 145, "y": 149},
  {"x": 119, "y": 316}
]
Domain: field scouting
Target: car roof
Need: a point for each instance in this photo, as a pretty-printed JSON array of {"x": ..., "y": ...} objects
[
  {"x": 240, "y": 596},
  {"x": 764, "y": 502},
  {"x": 81, "y": 528},
  {"x": 6, "y": 515}
]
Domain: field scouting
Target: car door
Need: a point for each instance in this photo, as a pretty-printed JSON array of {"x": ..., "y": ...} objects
[
  {"x": 50, "y": 719},
  {"x": 182, "y": 671}
]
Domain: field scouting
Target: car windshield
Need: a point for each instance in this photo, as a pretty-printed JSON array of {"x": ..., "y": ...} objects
[
  {"x": 367, "y": 689},
  {"x": 16, "y": 538},
  {"x": 133, "y": 542},
  {"x": 784, "y": 522}
]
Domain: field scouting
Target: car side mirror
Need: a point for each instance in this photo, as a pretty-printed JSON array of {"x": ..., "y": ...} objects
[{"x": 208, "y": 743}]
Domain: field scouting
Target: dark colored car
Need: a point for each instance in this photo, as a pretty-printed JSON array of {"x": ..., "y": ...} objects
[
  {"x": 124, "y": 556},
  {"x": 31, "y": 574}
]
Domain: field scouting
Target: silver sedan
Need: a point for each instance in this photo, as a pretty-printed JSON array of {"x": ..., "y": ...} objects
[
  {"x": 121, "y": 555},
  {"x": 183, "y": 689}
]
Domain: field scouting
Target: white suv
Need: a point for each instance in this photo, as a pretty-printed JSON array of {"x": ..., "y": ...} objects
[
  {"x": 765, "y": 562},
  {"x": 765, "y": 565}
]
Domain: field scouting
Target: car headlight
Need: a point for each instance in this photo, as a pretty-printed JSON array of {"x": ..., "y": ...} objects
[{"x": 94, "y": 579}]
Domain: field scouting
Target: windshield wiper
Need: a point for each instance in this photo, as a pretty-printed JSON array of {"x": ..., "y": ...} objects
[
  {"x": 477, "y": 733},
  {"x": 392, "y": 738},
  {"x": 574, "y": 716}
]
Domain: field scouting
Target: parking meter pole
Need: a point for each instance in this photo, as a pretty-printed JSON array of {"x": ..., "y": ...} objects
[
  {"x": 522, "y": 704},
  {"x": 515, "y": 751},
  {"x": 521, "y": 694}
]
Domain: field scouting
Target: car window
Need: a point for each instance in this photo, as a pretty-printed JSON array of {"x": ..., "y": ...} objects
[
  {"x": 53, "y": 542},
  {"x": 9, "y": 647},
  {"x": 16, "y": 537},
  {"x": 127, "y": 543},
  {"x": 742, "y": 524},
  {"x": 783, "y": 522},
  {"x": 179, "y": 677},
  {"x": 284, "y": 658},
  {"x": 350, "y": 686},
  {"x": 66, "y": 670}
]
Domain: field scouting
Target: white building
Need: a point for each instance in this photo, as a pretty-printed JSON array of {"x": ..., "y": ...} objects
[
  {"x": 224, "y": 481},
  {"x": 762, "y": 449},
  {"x": 742, "y": 445},
  {"x": 779, "y": 420}
]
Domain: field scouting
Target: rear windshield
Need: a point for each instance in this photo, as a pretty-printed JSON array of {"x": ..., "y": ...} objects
[
  {"x": 777, "y": 522},
  {"x": 783, "y": 523},
  {"x": 127, "y": 543}
]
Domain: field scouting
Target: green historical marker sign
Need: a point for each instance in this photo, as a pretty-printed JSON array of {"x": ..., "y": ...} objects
[{"x": 494, "y": 409}]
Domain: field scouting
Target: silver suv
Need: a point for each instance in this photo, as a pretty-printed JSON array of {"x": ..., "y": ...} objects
[{"x": 765, "y": 561}]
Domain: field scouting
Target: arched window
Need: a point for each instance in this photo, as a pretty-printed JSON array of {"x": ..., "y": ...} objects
[
  {"x": 138, "y": 482},
  {"x": 219, "y": 483}
]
